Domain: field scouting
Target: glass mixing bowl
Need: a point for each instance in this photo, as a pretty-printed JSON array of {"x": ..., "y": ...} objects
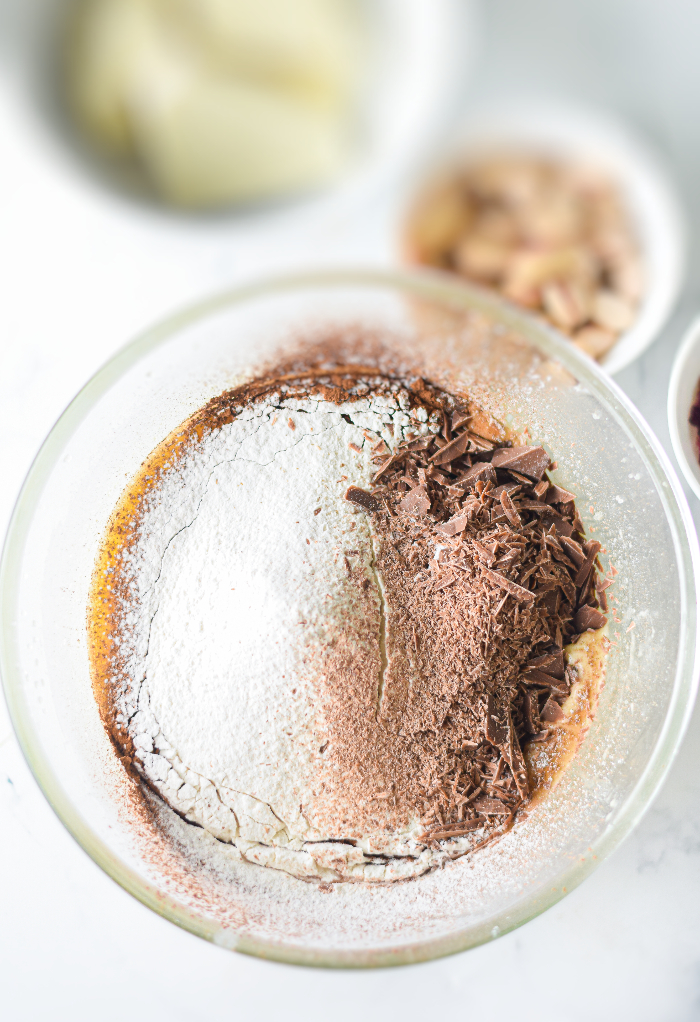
[{"x": 460, "y": 338}]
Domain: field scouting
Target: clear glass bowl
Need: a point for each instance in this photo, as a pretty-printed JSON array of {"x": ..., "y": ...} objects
[{"x": 460, "y": 338}]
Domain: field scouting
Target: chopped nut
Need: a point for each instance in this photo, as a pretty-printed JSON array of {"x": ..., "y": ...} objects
[
  {"x": 482, "y": 258},
  {"x": 440, "y": 222},
  {"x": 594, "y": 340},
  {"x": 612, "y": 312},
  {"x": 553, "y": 237},
  {"x": 566, "y": 304}
]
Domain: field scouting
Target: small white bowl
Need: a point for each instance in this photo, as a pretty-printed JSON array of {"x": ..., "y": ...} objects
[
  {"x": 418, "y": 53},
  {"x": 681, "y": 395},
  {"x": 571, "y": 132}
]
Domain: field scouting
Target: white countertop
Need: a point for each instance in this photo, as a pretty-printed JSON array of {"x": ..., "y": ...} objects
[{"x": 81, "y": 274}]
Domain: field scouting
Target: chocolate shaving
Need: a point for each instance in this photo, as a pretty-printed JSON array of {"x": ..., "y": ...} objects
[
  {"x": 491, "y": 807},
  {"x": 552, "y": 662},
  {"x": 530, "y": 461},
  {"x": 483, "y": 470},
  {"x": 389, "y": 463},
  {"x": 416, "y": 502},
  {"x": 531, "y": 713},
  {"x": 584, "y": 571},
  {"x": 512, "y": 588},
  {"x": 361, "y": 498},
  {"x": 454, "y": 526},
  {"x": 516, "y": 761},
  {"x": 535, "y": 677},
  {"x": 574, "y": 550},
  {"x": 509, "y": 508},
  {"x": 558, "y": 495},
  {"x": 552, "y": 711},
  {"x": 451, "y": 451},
  {"x": 589, "y": 617},
  {"x": 458, "y": 831},
  {"x": 495, "y": 727},
  {"x": 538, "y": 507}
]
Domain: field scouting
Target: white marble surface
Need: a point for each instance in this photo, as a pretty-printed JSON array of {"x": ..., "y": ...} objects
[{"x": 80, "y": 275}]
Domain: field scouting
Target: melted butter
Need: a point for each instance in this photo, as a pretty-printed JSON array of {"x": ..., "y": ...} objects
[{"x": 109, "y": 576}]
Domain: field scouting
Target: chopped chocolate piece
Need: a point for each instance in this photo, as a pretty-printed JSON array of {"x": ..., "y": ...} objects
[
  {"x": 538, "y": 507},
  {"x": 512, "y": 588},
  {"x": 391, "y": 462},
  {"x": 516, "y": 761},
  {"x": 552, "y": 662},
  {"x": 558, "y": 495},
  {"x": 483, "y": 471},
  {"x": 531, "y": 713},
  {"x": 491, "y": 807},
  {"x": 533, "y": 676},
  {"x": 509, "y": 508},
  {"x": 416, "y": 501},
  {"x": 588, "y": 617},
  {"x": 510, "y": 488},
  {"x": 455, "y": 831},
  {"x": 367, "y": 501},
  {"x": 584, "y": 571},
  {"x": 531, "y": 461},
  {"x": 454, "y": 526},
  {"x": 562, "y": 527},
  {"x": 539, "y": 489},
  {"x": 451, "y": 451},
  {"x": 446, "y": 431},
  {"x": 480, "y": 442},
  {"x": 445, "y": 582},
  {"x": 484, "y": 553},
  {"x": 495, "y": 725},
  {"x": 419, "y": 445},
  {"x": 460, "y": 419},
  {"x": 520, "y": 477},
  {"x": 574, "y": 550},
  {"x": 552, "y": 711},
  {"x": 578, "y": 523},
  {"x": 571, "y": 675}
]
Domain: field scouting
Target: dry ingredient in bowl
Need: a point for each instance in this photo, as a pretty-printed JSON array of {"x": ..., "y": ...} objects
[
  {"x": 552, "y": 236},
  {"x": 332, "y": 614},
  {"x": 211, "y": 103}
]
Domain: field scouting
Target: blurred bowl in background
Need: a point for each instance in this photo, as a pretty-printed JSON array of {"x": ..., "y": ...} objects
[
  {"x": 574, "y": 137},
  {"x": 682, "y": 395},
  {"x": 417, "y": 51}
]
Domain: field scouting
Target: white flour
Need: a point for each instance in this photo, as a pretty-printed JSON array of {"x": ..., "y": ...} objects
[{"x": 235, "y": 570}]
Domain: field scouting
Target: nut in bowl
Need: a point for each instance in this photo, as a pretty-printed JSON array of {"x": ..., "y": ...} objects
[
  {"x": 562, "y": 214},
  {"x": 455, "y": 407}
]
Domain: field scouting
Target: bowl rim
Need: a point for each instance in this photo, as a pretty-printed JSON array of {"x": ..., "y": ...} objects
[
  {"x": 677, "y": 414},
  {"x": 562, "y": 128},
  {"x": 430, "y": 286}
]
